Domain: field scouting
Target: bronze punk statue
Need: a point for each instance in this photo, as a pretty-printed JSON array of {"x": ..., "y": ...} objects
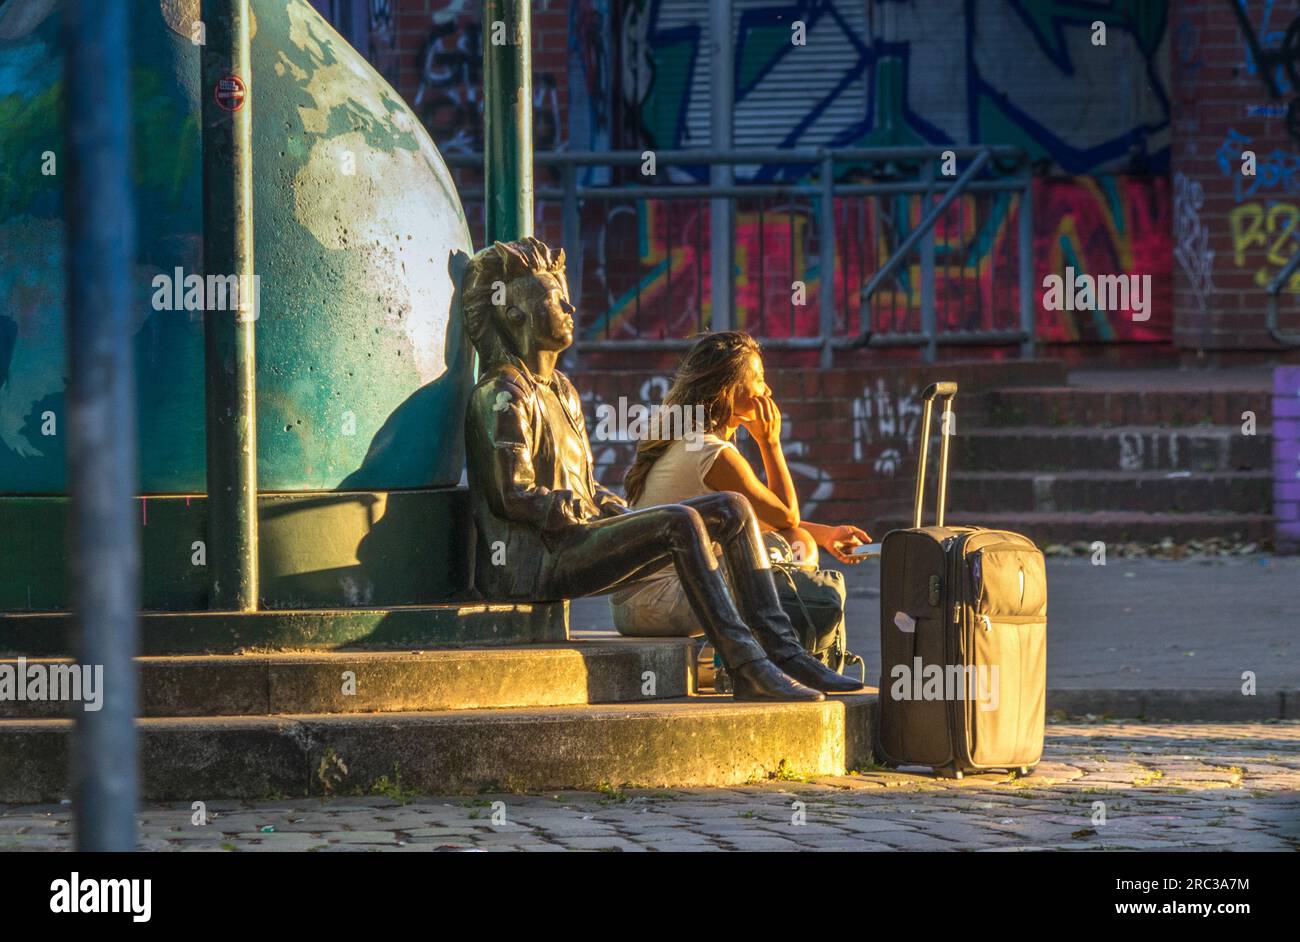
[{"x": 563, "y": 534}]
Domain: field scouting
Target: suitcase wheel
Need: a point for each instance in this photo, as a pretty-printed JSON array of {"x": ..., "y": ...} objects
[
  {"x": 1025, "y": 771},
  {"x": 948, "y": 771}
]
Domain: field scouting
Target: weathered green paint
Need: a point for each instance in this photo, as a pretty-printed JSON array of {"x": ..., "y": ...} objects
[
  {"x": 229, "y": 339},
  {"x": 508, "y": 119},
  {"x": 472, "y": 623},
  {"x": 371, "y": 549},
  {"x": 361, "y": 368}
]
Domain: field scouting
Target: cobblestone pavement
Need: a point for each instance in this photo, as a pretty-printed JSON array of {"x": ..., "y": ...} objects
[{"x": 1104, "y": 786}]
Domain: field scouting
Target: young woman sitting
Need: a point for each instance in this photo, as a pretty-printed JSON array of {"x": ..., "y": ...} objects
[{"x": 723, "y": 373}]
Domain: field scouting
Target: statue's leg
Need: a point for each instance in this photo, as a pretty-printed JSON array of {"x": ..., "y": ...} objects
[
  {"x": 608, "y": 553},
  {"x": 730, "y": 520}
]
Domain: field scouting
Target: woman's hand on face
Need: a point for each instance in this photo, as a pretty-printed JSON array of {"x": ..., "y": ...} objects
[
  {"x": 842, "y": 540},
  {"x": 765, "y": 426}
]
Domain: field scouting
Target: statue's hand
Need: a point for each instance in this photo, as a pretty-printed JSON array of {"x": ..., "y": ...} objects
[
  {"x": 565, "y": 512},
  {"x": 611, "y": 505}
]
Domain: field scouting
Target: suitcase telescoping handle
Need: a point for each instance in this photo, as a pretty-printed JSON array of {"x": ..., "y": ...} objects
[{"x": 945, "y": 391}]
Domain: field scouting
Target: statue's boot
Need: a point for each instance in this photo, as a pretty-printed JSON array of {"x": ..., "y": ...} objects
[
  {"x": 763, "y": 680},
  {"x": 806, "y": 669},
  {"x": 754, "y": 676},
  {"x": 761, "y": 608}
]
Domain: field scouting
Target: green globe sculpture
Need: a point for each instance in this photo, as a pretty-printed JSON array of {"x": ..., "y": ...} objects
[
  {"x": 362, "y": 368},
  {"x": 359, "y": 239}
]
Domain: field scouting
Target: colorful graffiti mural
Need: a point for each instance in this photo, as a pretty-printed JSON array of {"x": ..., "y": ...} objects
[
  {"x": 890, "y": 72},
  {"x": 1105, "y": 225},
  {"x": 896, "y": 72},
  {"x": 650, "y": 275}
]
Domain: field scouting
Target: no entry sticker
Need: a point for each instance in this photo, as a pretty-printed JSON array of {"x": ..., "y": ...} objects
[{"x": 231, "y": 92}]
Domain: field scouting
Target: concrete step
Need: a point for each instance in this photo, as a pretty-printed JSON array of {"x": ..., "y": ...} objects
[
  {"x": 607, "y": 671},
  {"x": 1107, "y": 526},
  {"x": 1091, "y": 407},
  {"x": 1123, "y": 448},
  {"x": 396, "y": 627},
  {"x": 1241, "y": 492},
  {"x": 696, "y": 741}
]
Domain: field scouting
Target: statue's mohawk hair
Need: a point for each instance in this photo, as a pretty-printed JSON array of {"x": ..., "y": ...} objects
[{"x": 500, "y": 262}]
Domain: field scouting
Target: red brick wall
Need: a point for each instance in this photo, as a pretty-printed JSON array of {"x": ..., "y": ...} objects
[
  {"x": 850, "y": 434},
  {"x": 1231, "y": 232}
]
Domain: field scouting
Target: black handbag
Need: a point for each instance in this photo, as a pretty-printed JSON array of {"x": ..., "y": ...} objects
[{"x": 813, "y": 600}]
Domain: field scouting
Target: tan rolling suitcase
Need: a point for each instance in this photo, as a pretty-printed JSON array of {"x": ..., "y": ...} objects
[{"x": 963, "y": 637}]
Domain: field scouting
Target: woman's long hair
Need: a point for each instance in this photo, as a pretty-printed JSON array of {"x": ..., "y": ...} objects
[{"x": 708, "y": 376}]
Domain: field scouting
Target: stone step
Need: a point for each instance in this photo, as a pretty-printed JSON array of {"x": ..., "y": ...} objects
[
  {"x": 1089, "y": 407},
  {"x": 1125, "y": 448},
  {"x": 1106, "y": 526},
  {"x": 1242, "y": 492},
  {"x": 606, "y": 671},
  {"x": 695, "y": 741},
  {"x": 46, "y": 634}
]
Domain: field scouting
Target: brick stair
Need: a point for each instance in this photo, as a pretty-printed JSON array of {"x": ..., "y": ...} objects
[
  {"x": 1187, "y": 492},
  {"x": 1064, "y": 464}
]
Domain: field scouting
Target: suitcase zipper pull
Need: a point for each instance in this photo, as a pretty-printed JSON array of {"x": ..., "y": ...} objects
[{"x": 988, "y": 623}]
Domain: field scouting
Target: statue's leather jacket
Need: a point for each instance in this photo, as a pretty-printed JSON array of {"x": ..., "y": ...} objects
[{"x": 523, "y": 460}]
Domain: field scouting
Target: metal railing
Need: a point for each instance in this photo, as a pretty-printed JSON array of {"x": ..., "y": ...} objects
[{"x": 934, "y": 201}]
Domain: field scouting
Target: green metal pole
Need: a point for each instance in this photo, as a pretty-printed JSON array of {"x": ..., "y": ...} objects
[
  {"x": 508, "y": 119},
  {"x": 226, "y": 85}
]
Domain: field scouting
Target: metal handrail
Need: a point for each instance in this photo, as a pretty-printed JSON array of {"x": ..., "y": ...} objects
[
  {"x": 806, "y": 155},
  {"x": 1273, "y": 289},
  {"x": 823, "y": 190},
  {"x": 922, "y": 228}
]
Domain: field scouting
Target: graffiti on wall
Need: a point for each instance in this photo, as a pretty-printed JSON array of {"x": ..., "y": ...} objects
[
  {"x": 383, "y": 40},
  {"x": 1192, "y": 238},
  {"x": 1276, "y": 173},
  {"x": 648, "y": 268},
  {"x": 449, "y": 99},
  {"x": 591, "y": 87},
  {"x": 885, "y": 426},
  {"x": 1099, "y": 225},
  {"x": 1262, "y": 228},
  {"x": 899, "y": 72},
  {"x": 611, "y": 457},
  {"x": 1264, "y": 238},
  {"x": 890, "y": 72},
  {"x": 1271, "y": 52}
]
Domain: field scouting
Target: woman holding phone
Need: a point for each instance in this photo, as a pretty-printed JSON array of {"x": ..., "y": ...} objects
[{"x": 723, "y": 373}]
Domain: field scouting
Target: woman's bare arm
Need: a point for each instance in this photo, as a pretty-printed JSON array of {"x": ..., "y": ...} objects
[
  {"x": 839, "y": 541},
  {"x": 731, "y": 472}
]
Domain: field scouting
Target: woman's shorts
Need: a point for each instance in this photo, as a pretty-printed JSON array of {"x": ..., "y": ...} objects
[{"x": 660, "y": 610}]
